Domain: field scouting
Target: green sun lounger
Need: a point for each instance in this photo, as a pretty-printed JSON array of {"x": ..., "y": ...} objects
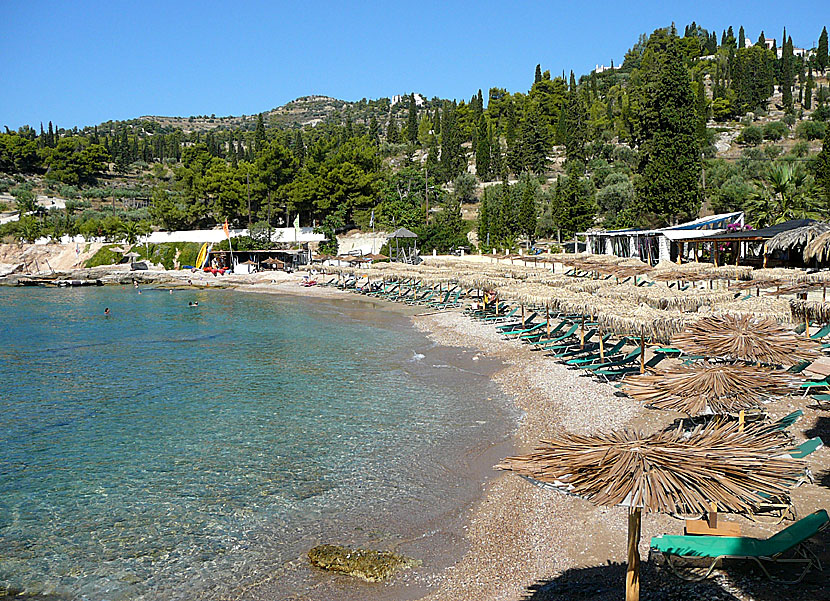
[
  {"x": 805, "y": 448},
  {"x": 824, "y": 331},
  {"x": 609, "y": 374},
  {"x": 569, "y": 333},
  {"x": 783, "y": 549},
  {"x": 626, "y": 360},
  {"x": 532, "y": 328},
  {"x": 594, "y": 357},
  {"x": 574, "y": 349},
  {"x": 785, "y": 422},
  {"x": 518, "y": 325},
  {"x": 544, "y": 339}
]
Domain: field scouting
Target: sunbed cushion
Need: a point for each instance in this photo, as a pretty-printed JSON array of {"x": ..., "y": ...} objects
[{"x": 719, "y": 546}]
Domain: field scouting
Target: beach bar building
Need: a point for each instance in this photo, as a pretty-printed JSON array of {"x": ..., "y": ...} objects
[
  {"x": 664, "y": 244},
  {"x": 749, "y": 246}
]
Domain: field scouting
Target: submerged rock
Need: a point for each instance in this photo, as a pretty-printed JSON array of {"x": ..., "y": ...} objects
[{"x": 371, "y": 566}]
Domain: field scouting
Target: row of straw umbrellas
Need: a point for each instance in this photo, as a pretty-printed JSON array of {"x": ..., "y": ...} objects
[{"x": 726, "y": 463}]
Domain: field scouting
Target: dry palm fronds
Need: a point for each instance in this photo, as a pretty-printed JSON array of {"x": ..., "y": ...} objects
[
  {"x": 782, "y": 273},
  {"x": 669, "y": 471},
  {"x": 796, "y": 238},
  {"x": 708, "y": 388},
  {"x": 756, "y": 306},
  {"x": 745, "y": 338},
  {"x": 803, "y": 310},
  {"x": 627, "y": 319},
  {"x": 818, "y": 248}
]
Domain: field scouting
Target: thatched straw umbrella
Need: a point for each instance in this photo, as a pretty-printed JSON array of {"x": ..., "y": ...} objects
[
  {"x": 818, "y": 248},
  {"x": 670, "y": 472},
  {"x": 709, "y": 388},
  {"x": 798, "y": 238},
  {"x": 756, "y": 306},
  {"x": 744, "y": 338},
  {"x": 806, "y": 310}
]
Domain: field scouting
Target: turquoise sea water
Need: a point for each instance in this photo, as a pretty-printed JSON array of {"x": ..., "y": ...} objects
[{"x": 170, "y": 452}]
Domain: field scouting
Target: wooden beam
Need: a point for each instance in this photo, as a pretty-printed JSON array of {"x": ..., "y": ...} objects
[{"x": 632, "y": 572}]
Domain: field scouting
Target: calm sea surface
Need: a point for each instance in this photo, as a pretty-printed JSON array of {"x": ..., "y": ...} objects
[{"x": 170, "y": 452}]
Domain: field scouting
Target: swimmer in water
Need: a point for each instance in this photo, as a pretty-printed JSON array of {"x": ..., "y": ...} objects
[
  {"x": 192, "y": 304},
  {"x": 107, "y": 311}
]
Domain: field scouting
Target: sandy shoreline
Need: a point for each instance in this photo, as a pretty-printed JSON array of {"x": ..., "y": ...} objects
[{"x": 527, "y": 543}]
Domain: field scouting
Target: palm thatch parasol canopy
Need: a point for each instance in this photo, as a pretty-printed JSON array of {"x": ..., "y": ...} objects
[
  {"x": 745, "y": 338},
  {"x": 799, "y": 237},
  {"x": 670, "y": 472},
  {"x": 709, "y": 389},
  {"x": 818, "y": 248}
]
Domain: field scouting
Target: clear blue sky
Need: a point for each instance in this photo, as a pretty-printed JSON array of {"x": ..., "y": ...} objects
[{"x": 81, "y": 63}]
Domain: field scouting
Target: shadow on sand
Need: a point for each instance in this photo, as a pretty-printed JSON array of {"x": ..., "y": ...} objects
[{"x": 740, "y": 581}]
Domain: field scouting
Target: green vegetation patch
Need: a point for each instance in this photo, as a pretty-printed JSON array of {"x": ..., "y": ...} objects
[
  {"x": 165, "y": 253},
  {"x": 371, "y": 566},
  {"x": 104, "y": 256}
]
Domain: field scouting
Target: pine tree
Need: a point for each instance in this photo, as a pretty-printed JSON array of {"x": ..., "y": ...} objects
[
  {"x": 822, "y": 59},
  {"x": 741, "y": 38},
  {"x": 669, "y": 186},
  {"x": 483, "y": 150},
  {"x": 412, "y": 121},
  {"x": 538, "y": 76}
]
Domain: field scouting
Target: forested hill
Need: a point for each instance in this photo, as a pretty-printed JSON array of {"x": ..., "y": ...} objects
[
  {"x": 302, "y": 112},
  {"x": 687, "y": 121}
]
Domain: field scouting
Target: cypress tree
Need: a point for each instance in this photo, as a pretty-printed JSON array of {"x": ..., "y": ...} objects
[
  {"x": 741, "y": 38},
  {"x": 392, "y": 131},
  {"x": 807, "y": 103},
  {"x": 259, "y": 134},
  {"x": 822, "y": 59},
  {"x": 436, "y": 122},
  {"x": 576, "y": 127},
  {"x": 412, "y": 121},
  {"x": 453, "y": 161},
  {"x": 534, "y": 147},
  {"x": 483, "y": 219},
  {"x": 762, "y": 40},
  {"x": 50, "y": 136},
  {"x": 702, "y": 110},
  {"x": 483, "y": 150},
  {"x": 299, "y": 146},
  {"x": 822, "y": 168},
  {"x": 669, "y": 186},
  {"x": 374, "y": 130},
  {"x": 538, "y": 76},
  {"x": 787, "y": 73},
  {"x": 527, "y": 211}
]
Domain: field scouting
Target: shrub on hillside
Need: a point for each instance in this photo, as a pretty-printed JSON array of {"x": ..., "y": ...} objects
[
  {"x": 776, "y": 130},
  {"x": 751, "y": 136},
  {"x": 810, "y": 130}
]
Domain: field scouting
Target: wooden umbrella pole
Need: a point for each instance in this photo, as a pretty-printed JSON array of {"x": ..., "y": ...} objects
[
  {"x": 642, "y": 351},
  {"x": 601, "y": 348},
  {"x": 523, "y": 315},
  {"x": 582, "y": 330},
  {"x": 632, "y": 572},
  {"x": 547, "y": 320}
]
